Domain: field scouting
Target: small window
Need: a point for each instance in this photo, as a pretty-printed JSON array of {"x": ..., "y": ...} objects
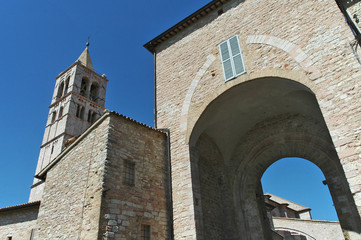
[
  {"x": 9, "y": 238},
  {"x": 90, "y": 113},
  {"x": 145, "y": 232},
  {"x": 53, "y": 117},
  {"x": 66, "y": 85},
  {"x": 83, "y": 87},
  {"x": 129, "y": 173},
  {"x": 94, "y": 117},
  {"x": 232, "y": 59},
  {"x": 94, "y": 92},
  {"x": 80, "y": 111},
  {"x": 60, "y": 90},
  {"x": 60, "y": 112}
]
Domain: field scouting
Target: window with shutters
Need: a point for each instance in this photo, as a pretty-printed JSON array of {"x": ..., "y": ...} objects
[{"x": 232, "y": 59}]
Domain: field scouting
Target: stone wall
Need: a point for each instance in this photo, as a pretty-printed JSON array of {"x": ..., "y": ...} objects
[
  {"x": 311, "y": 229},
  {"x": 18, "y": 223},
  {"x": 70, "y": 207},
  {"x": 304, "y": 41},
  {"x": 127, "y": 207},
  {"x": 85, "y": 196}
]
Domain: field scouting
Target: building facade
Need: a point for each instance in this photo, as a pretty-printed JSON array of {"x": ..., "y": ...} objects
[{"x": 238, "y": 86}]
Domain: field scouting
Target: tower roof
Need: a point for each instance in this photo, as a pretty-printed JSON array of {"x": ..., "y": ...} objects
[{"x": 85, "y": 60}]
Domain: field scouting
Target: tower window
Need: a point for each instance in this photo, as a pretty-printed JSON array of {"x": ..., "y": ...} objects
[
  {"x": 66, "y": 85},
  {"x": 94, "y": 117},
  {"x": 91, "y": 116},
  {"x": 129, "y": 173},
  {"x": 232, "y": 59},
  {"x": 60, "y": 112},
  {"x": 83, "y": 87},
  {"x": 53, "y": 117},
  {"x": 145, "y": 235},
  {"x": 94, "y": 92},
  {"x": 80, "y": 111},
  {"x": 60, "y": 90}
]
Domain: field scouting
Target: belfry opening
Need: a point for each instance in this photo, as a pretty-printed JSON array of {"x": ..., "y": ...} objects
[{"x": 238, "y": 136}]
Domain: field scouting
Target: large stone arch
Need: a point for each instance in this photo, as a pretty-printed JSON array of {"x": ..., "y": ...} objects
[
  {"x": 248, "y": 127},
  {"x": 192, "y": 112}
]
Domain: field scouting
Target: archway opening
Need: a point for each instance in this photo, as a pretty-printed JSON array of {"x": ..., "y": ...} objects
[
  {"x": 238, "y": 136},
  {"x": 298, "y": 202}
]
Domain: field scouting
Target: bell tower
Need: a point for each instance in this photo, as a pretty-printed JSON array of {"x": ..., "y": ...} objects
[{"x": 78, "y": 101}]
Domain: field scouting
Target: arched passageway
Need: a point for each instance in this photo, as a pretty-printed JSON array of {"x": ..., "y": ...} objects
[
  {"x": 298, "y": 203},
  {"x": 238, "y": 136},
  {"x": 300, "y": 181}
]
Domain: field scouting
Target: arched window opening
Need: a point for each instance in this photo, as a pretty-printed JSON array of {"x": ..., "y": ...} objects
[
  {"x": 52, "y": 149},
  {"x": 60, "y": 90},
  {"x": 90, "y": 115},
  {"x": 80, "y": 111},
  {"x": 60, "y": 112},
  {"x": 293, "y": 187},
  {"x": 94, "y": 117},
  {"x": 83, "y": 87},
  {"x": 53, "y": 117},
  {"x": 94, "y": 92},
  {"x": 66, "y": 85}
]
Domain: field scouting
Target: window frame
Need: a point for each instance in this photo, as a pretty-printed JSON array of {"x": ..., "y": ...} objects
[
  {"x": 231, "y": 58},
  {"x": 145, "y": 232},
  {"x": 129, "y": 173}
]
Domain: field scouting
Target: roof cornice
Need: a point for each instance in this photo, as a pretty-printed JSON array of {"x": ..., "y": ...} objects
[
  {"x": 20, "y": 206},
  {"x": 80, "y": 64},
  {"x": 188, "y": 21}
]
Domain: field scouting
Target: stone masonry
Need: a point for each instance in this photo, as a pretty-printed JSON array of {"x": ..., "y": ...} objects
[
  {"x": 197, "y": 174},
  {"x": 18, "y": 222},
  {"x": 85, "y": 196},
  {"x": 304, "y": 41}
]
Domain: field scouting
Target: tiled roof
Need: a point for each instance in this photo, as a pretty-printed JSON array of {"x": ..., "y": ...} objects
[
  {"x": 294, "y": 206},
  {"x": 15, "y": 207}
]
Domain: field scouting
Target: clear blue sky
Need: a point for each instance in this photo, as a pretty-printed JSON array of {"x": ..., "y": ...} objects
[{"x": 41, "y": 38}]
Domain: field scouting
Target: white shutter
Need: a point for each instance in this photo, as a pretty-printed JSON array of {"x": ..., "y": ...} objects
[{"x": 232, "y": 60}]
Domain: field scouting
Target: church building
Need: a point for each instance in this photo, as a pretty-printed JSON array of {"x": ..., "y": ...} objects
[{"x": 238, "y": 86}]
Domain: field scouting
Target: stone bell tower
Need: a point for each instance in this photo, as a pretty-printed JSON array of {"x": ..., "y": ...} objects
[{"x": 78, "y": 101}]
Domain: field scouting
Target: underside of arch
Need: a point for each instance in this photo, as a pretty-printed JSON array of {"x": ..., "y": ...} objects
[{"x": 239, "y": 135}]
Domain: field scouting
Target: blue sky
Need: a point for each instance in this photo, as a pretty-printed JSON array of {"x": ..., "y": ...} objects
[{"x": 41, "y": 38}]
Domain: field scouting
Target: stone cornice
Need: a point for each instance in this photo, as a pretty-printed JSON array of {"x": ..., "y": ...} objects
[
  {"x": 79, "y": 64},
  {"x": 188, "y": 21}
]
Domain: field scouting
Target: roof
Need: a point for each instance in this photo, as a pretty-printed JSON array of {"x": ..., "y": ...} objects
[
  {"x": 85, "y": 60},
  {"x": 188, "y": 21},
  {"x": 294, "y": 206},
  {"x": 20, "y": 206}
]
